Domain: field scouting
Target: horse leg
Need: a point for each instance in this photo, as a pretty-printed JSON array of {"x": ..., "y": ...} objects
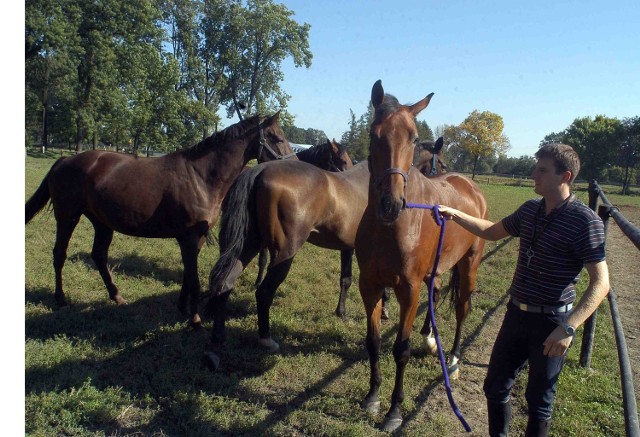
[
  {"x": 262, "y": 264},
  {"x": 408, "y": 299},
  {"x": 371, "y": 296},
  {"x": 100, "y": 255},
  {"x": 264, "y": 298},
  {"x": 385, "y": 303},
  {"x": 346, "y": 275},
  {"x": 428, "y": 339},
  {"x": 466, "y": 281},
  {"x": 189, "y": 249},
  {"x": 64, "y": 229}
]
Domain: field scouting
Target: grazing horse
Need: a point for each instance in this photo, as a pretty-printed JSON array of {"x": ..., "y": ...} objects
[
  {"x": 330, "y": 156},
  {"x": 396, "y": 247},
  {"x": 174, "y": 196},
  {"x": 426, "y": 158}
]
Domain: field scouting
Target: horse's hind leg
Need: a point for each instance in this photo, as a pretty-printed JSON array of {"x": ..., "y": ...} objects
[
  {"x": 100, "y": 256},
  {"x": 64, "y": 229},
  {"x": 429, "y": 340},
  {"x": 264, "y": 298},
  {"x": 346, "y": 260},
  {"x": 190, "y": 291},
  {"x": 467, "y": 271}
]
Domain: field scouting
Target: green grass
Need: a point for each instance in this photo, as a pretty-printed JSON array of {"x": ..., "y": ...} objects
[{"x": 96, "y": 369}]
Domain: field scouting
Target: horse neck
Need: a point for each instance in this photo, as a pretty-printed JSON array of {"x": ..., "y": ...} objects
[
  {"x": 221, "y": 161},
  {"x": 313, "y": 156}
]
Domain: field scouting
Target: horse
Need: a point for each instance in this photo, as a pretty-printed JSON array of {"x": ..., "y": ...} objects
[
  {"x": 395, "y": 246},
  {"x": 426, "y": 157},
  {"x": 426, "y": 160},
  {"x": 279, "y": 206},
  {"x": 174, "y": 196},
  {"x": 330, "y": 156}
]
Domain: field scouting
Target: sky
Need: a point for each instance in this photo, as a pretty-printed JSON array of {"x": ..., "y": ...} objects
[{"x": 539, "y": 65}]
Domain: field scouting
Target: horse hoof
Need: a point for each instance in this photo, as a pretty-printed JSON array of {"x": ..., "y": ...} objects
[
  {"x": 385, "y": 314},
  {"x": 211, "y": 361},
  {"x": 391, "y": 424},
  {"x": 195, "y": 322},
  {"x": 119, "y": 300},
  {"x": 430, "y": 345},
  {"x": 371, "y": 407},
  {"x": 454, "y": 372},
  {"x": 269, "y": 345}
]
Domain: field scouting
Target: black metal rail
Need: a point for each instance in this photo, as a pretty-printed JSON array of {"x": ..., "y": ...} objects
[{"x": 606, "y": 210}]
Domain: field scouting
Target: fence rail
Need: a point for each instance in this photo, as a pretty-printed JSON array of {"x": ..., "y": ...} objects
[{"x": 606, "y": 210}]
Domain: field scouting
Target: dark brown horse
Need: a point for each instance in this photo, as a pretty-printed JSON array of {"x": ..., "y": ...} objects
[
  {"x": 396, "y": 247},
  {"x": 330, "y": 156},
  {"x": 427, "y": 159},
  {"x": 174, "y": 196}
]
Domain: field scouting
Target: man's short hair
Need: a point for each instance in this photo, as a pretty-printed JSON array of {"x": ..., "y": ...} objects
[{"x": 563, "y": 156}]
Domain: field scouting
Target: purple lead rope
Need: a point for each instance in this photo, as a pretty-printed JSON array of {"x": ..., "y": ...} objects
[{"x": 445, "y": 372}]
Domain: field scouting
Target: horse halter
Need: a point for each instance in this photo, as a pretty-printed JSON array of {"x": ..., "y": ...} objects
[
  {"x": 434, "y": 162},
  {"x": 387, "y": 172},
  {"x": 265, "y": 145}
]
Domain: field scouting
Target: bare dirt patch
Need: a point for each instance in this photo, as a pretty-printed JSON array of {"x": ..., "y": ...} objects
[{"x": 623, "y": 259}]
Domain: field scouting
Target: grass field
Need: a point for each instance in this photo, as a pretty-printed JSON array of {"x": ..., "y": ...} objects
[{"x": 96, "y": 369}]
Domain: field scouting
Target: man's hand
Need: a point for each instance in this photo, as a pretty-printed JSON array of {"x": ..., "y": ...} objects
[{"x": 557, "y": 343}]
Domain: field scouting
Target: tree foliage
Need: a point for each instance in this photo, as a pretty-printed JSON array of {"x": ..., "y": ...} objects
[
  {"x": 152, "y": 73},
  {"x": 480, "y": 136},
  {"x": 357, "y": 137}
]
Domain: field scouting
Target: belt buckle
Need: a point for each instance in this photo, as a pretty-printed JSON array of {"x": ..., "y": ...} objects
[{"x": 523, "y": 306}]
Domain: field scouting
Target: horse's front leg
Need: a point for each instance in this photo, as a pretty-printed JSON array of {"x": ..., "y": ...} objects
[
  {"x": 371, "y": 297},
  {"x": 264, "y": 298},
  {"x": 408, "y": 300}
]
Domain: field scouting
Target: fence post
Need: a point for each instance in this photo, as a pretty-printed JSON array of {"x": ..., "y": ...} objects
[{"x": 589, "y": 329}]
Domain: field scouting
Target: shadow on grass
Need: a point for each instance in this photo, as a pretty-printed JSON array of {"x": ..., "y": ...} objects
[{"x": 157, "y": 359}]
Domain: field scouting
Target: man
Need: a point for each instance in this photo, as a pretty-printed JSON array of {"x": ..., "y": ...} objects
[{"x": 558, "y": 236}]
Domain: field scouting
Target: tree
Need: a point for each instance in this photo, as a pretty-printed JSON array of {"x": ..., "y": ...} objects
[
  {"x": 597, "y": 141},
  {"x": 629, "y": 157},
  {"x": 256, "y": 41},
  {"x": 357, "y": 137},
  {"x": 424, "y": 131},
  {"x": 481, "y": 136}
]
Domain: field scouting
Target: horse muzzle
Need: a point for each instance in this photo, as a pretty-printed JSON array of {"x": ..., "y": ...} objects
[{"x": 390, "y": 208}]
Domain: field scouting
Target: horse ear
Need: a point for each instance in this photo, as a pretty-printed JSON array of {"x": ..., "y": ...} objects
[
  {"x": 417, "y": 107},
  {"x": 437, "y": 147},
  {"x": 377, "y": 94},
  {"x": 275, "y": 117}
]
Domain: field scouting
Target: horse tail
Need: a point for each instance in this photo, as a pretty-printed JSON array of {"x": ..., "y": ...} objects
[
  {"x": 237, "y": 226},
  {"x": 40, "y": 198}
]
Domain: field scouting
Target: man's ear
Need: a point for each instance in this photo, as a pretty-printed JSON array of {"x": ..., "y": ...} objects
[{"x": 566, "y": 176}]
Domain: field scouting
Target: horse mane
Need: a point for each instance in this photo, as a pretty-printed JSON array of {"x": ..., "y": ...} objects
[
  {"x": 388, "y": 106},
  {"x": 313, "y": 153},
  {"x": 219, "y": 138}
]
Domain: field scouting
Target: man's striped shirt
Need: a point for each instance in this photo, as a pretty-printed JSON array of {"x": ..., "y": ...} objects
[{"x": 562, "y": 242}]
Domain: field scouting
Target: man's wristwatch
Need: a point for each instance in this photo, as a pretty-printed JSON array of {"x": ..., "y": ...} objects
[{"x": 568, "y": 329}]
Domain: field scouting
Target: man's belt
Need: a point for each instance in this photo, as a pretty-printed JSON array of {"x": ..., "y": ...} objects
[{"x": 541, "y": 308}]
